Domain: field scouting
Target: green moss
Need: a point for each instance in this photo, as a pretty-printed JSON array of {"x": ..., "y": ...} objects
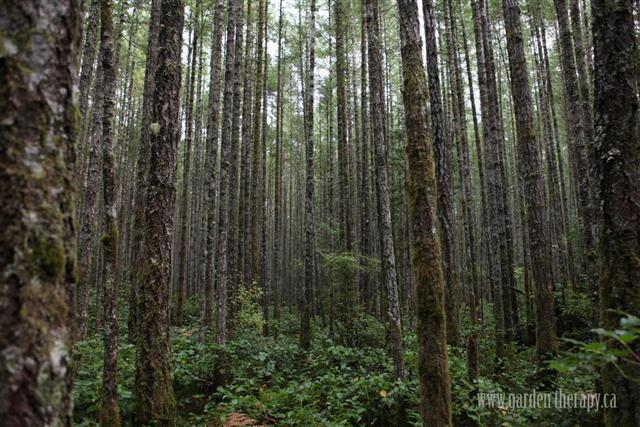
[{"x": 48, "y": 257}]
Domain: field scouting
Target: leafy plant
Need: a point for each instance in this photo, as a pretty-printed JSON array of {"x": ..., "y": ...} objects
[{"x": 612, "y": 346}]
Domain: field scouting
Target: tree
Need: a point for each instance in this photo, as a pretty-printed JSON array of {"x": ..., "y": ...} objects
[
  {"x": 257, "y": 139},
  {"x": 378, "y": 120},
  {"x": 346, "y": 226},
  {"x": 443, "y": 148},
  {"x": 211, "y": 161},
  {"x": 577, "y": 137},
  {"x": 491, "y": 131},
  {"x": 183, "y": 275},
  {"x": 87, "y": 155},
  {"x": 37, "y": 203},
  {"x": 153, "y": 388},
  {"x": 234, "y": 8},
  {"x": 531, "y": 175},
  {"x": 617, "y": 125},
  {"x": 142, "y": 170},
  {"x": 426, "y": 256},
  {"x": 109, "y": 411},
  {"x": 309, "y": 218}
]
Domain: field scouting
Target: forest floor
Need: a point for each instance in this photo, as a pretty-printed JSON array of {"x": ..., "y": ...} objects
[{"x": 272, "y": 381}]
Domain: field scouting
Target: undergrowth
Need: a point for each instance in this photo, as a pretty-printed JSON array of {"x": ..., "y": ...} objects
[{"x": 273, "y": 381}]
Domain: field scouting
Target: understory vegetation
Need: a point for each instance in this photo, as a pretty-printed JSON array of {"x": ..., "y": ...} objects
[{"x": 270, "y": 380}]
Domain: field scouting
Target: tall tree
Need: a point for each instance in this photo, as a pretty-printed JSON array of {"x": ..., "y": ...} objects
[
  {"x": 576, "y": 137},
  {"x": 233, "y": 212},
  {"x": 109, "y": 410},
  {"x": 309, "y": 218},
  {"x": 365, "y": 221},
  {"x": 618, "y": 149},
  {"x": 426, "y": 256},
  {"x": 467, "y": 201},
  {"x": 142, "y": 170},
  {"x": 531, "y": 175},
  {"x": 378, "y": 120},
  {"x": 234, "y": 7},
  {"x": 257, "y": 139},
  {"x": 37, "y": 203},
  {"x": 154, "y": 398},
  {"x": 443, "y": 149},
  {"x": 346, "y": 221},
  {"x": 491, "y": 138},
  {"x": 206, "y": 303},
  {"x": 185, "y": 237},
  {"x": 278, "y": 190}
]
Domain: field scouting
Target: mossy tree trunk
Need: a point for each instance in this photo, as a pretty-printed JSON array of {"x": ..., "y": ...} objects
[
  {"x": 233, "y": 208},
  {"x": 38, "y": 120},
  {"x": 154, "y": 399},
  {"x": 142, "y": 172},
  {"x": 426, "y": 256},
  {"x": 443, "y": 152}
]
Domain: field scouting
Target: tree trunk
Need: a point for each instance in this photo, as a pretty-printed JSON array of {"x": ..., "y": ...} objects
[
  {"x": 142, "y": 170},
  {"x": 491, "y": 138},
  {"x": 206, "y": 303},
  {"x": 467, "y": 201},
  {"x": 37, "y": 203},
  {"x": 388, "y": 258},
  {"x": 617, "y": 148},
  {"x": 309, "y": 221},
  {"x": 153, "y": 388},
  {"x": 442, "y": 148},
  {"x": 185, "y": 235},
  {"x": 365, "y": 222},
  {"x": 576, "y": 139},
  {"x": 233, "y": 7},
  {"x": 532, "y": 180},
  {"x": 109, "y": 411},
  {"x": 426, "y": 258},
  {"x": 257, "y": 139},
  {"x": 343, "y": 148}
]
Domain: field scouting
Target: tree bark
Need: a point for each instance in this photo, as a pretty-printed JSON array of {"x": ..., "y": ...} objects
[
  {"x": 388, "y": 258},
  {"x": 618, "y": 150},
  {"x": 426, "y": 257},
  {"x": 37, "y": 201},
  {"x": 109, "y": 410},
  {"x": 532, "y": 180},
  {"x": 442, "y": 148},
  {"x": 309, "y": 220},
  {"x": 233, "y": 7},
  {"x": 185, "y": 236},
  {"x": 153, "y": 387},
  {"x": 211, "y": 165}
]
